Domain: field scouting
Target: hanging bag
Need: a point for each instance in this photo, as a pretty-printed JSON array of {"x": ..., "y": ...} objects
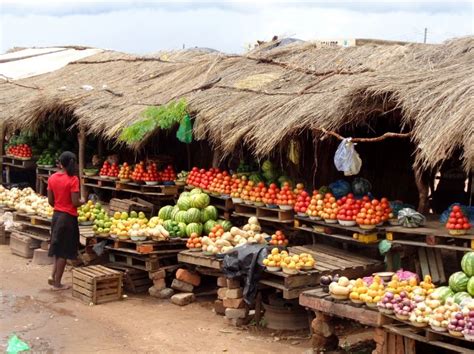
[{"x": 347, "y": 159}]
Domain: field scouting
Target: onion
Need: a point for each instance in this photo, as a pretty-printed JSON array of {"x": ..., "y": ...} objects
[
  {"x": 459, "y": 316},
  {"x": 461, "y": 323},
  {"x": 451, "y": 327}
]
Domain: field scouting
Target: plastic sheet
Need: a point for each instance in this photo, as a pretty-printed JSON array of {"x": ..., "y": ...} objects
[
  {"x": 246, "y": 261},
  {"x": 347, "y": 159},
  {"x": 16, "y": 345}
]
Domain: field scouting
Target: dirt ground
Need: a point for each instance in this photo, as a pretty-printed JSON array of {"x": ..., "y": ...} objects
[{"x": 54, "y": 322}]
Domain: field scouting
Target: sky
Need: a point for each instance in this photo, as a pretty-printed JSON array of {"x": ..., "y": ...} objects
[{"x": 231, "y": 26}]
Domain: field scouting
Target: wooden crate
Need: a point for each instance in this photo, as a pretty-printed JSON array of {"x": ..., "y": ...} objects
[
  {"x": 137, "y": 281},
  {"x": 96, "y": 284},
  {"x": 132, "y": 204},
  {"x": 275, "y": 215},
  {"x": 4, "y": 236},
  {"x": 22, "y": 244}
]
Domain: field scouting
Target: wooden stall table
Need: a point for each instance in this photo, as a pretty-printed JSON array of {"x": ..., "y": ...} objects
[
  {"x": 428, "y": 240},
  {"x": 10, "y": 162},
  {"x": 329, "y": 261}
]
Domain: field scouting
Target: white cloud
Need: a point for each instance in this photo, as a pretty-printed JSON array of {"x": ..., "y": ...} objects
[{"x": 142, "y": 27}]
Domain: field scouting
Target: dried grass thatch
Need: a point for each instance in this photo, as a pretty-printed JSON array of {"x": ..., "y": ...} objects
[{"x": 269, "y": 95}]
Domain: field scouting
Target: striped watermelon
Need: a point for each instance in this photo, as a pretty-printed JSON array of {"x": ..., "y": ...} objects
[
  {"x": 459, "y": 297},
  {"x": 180, "y": 216},
  {"x": 165, "y": 212},
  {"x": 467, "y": 263},
  {"x": 174, "y": 211},
  {"x": 470, "y": 286},
  {"x": 225, "y": 224},
  {"x": 185, "y": 194},
  {"x": 194, "y": 228},
  {"x": 182, "y": 229},
  {"x": 458, "y": 282},
  {"x": 208, "y": 226},
  {"x": 442, "y": 293},
  {"x": 195, "y": 191},
  {"x": 184, "y": 203},
  {"x": 200, "y": 201},
  {"x": 193, "y": 215},
  {"x": 210, "y": 212}
]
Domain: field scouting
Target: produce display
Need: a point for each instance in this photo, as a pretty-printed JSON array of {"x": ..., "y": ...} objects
[
  {"x": 168, "y": 174},
  {"x": 348, "y": 210},
  {"x": 286, "y": 197},
  {"x": 303, "y": 201},
  {"x": 316, "y": 206},
  {"x": 273, "y": 261},
  {"x": 125, "y": 173},
  {"x": 250, "y": 233},
  {"x": 151, "y": 176},
  {"x": 137, "y": 227},
  {"x": 373, "y": 212},
  {"x": 403, "y": 306},
  {"x": 270, "y": 196},
  {"x": 21, "y": 151},
  {"x": 279, "y": 239},
  {"x": 410, "y": 218},
  {"x": 139, "y": 172},
  {"x": 182, "y": 177},
  {"x": 194, "y": 242},
  {"x": 329, "y": 213},
  {"x": 458, "y": 223},
  {"x": 26, "y": 201},
  {"x": 221, "y": 184},
  {"x": 341, "y": 288},
  {"x": 89, "y": 212},
  {"x": 48, "y": 158},
  {"x": 237, "y": 187},
  {"x": 109, "y": 170},
  {"x": 292, "y": 264},
  {"x": 441, "y": 315},
  {"x": 370, "y": 294}
]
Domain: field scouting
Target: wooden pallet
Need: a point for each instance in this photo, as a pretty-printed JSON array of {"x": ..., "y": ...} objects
[
  {"x": 149, "y": 263},
  {"x": 146, "y": 189},
  {"x": 199, "y": 259},
  {"x": 432, "y": 235},
  {"x": 220, "y": 202},
  {"x": 319, "y": 300},
  {"x": 46, "y": 171},
  {"x": 96, "y": 284},
  {"x": 134, "y": 280},
  {"x": 428, "y": 336},
  {"x": 275, "y": 215},
  {"x": 35, "y": 226},
  {"x": 150, "y": 247},
  {"x": 18, "y": 163},
  {"x": 329, "y": 260}
]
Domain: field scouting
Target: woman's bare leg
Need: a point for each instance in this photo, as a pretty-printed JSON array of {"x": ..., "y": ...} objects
[
  {"x": 60, "y": 265},
  {"x": 51, "y": 278}
]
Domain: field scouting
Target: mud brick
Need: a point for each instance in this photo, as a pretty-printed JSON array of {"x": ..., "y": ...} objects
[
  {"x": 188, "y": 277},
  {"x": 161, "y": 274},
  {"x": 222, "y": 282},
  {"x": 159, "y": 284},
  {"x": 233, "y": 283},
  {"x": 222, "y": 293},
  {"x": 219, "y": 308},
  {"x": 182, "y": 286},
  {"x": 379, "y": 336},
  {"x": 183, "y": 299},
  {"x": 236, "y": 313},
  {"x": 40, "y": 257},
  {"x": 153, "y": 291},
  {"x": 234, "y": 303},
  {"x": 234, "y": 293},
  {"x": 44, "y": 245},
  {"x": 165, "y": 293}
]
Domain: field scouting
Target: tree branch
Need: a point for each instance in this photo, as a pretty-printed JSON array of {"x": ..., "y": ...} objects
[{"x": 387, "y": 135}]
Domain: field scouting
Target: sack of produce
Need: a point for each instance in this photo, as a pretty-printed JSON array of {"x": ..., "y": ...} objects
[{"x": 408, "y": 217}]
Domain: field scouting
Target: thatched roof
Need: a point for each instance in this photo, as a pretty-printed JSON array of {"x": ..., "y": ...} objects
[{"x": 266, "y": 96}]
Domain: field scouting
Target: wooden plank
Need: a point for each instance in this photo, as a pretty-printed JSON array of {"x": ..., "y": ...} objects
[
  {"x": 425, "y": 269},
  {"x": 197, "y": 258},
  {"x": 439, "y": 259},
  {"x": 288, "y": 294},
  {"x": 432, "y": 265}
]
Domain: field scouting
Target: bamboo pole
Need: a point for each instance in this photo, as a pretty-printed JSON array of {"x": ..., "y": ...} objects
[
  {"x": 81, "y": 138},
  {"x": 423, "y": 190},
  {"x": 2, "y": 152}
]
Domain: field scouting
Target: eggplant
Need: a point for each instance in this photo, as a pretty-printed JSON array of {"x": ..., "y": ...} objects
[
  {"x": 325, "y": 280},
  {"x": 335, "y": 278}
]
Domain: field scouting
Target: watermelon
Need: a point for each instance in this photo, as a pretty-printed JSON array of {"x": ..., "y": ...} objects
[
  {"x": 182, "y": 229},
  {"x": 194, "y": 228},
  {"x": 267, "y": 166},
  {"x": 458, "y": 297},
  {"x": 470, "y": 286},
  {"x": 467, "y": 263},
  {"x": 180, "y": 216},
  {"x": 442, "y": 293},
  {"x": 165, "y": 212},
  {"x": 210, "y": 213},
  {"x": 200, "y": 201},
  {"x": 184, "y": 203},
  {"x": 208, "y": 226},
  {"x": 168, "y": 224},
  {"x": 225, "y": 224},
  {"x": 256, "y": 178},
  {"x": 185, "y": 194},
  {"x": 458, "y": 282},
  {"x": 174, "y": 211},
  {"x": 195, "y": 191},
  {"x": 193, "y": 215}
]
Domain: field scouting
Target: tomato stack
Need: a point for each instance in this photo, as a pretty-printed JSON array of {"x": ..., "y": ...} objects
[
  {"x": 329, "y": 213},
  {"x": 22, "y": 151},
  {"x": 270, "y": 196},
  {"x": 258, "y": 193},
  {"x": 201, "y": 178},
  {"x": 302, "y": 202},
  {"x": 221, "y": 183},
  {"x": 458, "y": 223},
  {"x": 168, "y": 174},
  {"x": 139, "y": 172},
  {"x": 113, "y": 171},
  {"x": 104, "y": 171},
  {"x": 279, "y": 239},
  {"x": 348, "y": 210},
  {"x": 370, "y": 213},
  {"x": 151, "y": 174},
  {"x": 286, "y": 198},
  {"x": 125, "y": 172},
  {"x": 238, "y": 185}
]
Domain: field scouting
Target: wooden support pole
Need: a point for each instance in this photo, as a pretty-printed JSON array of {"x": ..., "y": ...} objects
[
  {"x": 2, "y": 152},
  {"x": 216, "y": 158},
  {"x": 81, "y": 138},
  {"x": 423, "y": 190}
]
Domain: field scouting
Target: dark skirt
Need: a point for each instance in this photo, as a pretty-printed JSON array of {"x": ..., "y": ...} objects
[{"x": 64, "y": 236}]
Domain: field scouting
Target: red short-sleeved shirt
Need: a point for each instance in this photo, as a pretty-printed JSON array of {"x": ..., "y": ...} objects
[{"x": 62, "y": 185}]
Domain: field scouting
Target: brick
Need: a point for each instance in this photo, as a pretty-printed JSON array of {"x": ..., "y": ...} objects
[
  {"x": 153, "y": 291},
  {"x": 40, "y": 257},
  {"x": 183, "y": 299},
  {"x": 161, "y": 274},
  {"x": 219, "y": 308},
  {"x": 237, "y": 322},
  {"x": 233, "y": 283},
  {"x": 182, "y": 286},
  {"x": 236, "y": 313},
  {"x": 234, "y": 303},
  {"x": 44, "y": 245},
  {"x": 159, "y": 284},
  {"x": 188, "y": 277},
  {"x": 222, "y": 293},
  {"x": 222, "y": 282},
  {"x": 234, "y": 293},
  {"x": 165, "y": 293}
]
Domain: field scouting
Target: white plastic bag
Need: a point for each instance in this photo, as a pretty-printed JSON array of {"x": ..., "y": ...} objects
[{"x": 347, "y": 159}]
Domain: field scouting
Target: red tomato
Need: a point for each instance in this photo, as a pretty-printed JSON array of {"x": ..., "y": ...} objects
[
  {"x": 456, "y": 208},
  {"x": 466, "y": 226}
]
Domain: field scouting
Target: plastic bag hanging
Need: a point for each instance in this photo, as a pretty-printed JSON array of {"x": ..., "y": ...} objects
[
  {"x": 294, "y": 152},
  {"x": 185, "y": 130},
  {"x": 347, "y": 159}
]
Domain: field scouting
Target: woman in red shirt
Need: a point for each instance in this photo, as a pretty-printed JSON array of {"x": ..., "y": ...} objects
[{"x": 64, "y": 197}]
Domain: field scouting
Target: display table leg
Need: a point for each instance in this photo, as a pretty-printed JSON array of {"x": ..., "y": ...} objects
[{"x": 323, "y": 338}]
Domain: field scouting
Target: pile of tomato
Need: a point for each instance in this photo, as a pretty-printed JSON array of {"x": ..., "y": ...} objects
[
  {"x": 457, "y": 220},
  {"x": 201, "y": 178},
  {"x": 22, "y": 150},
  {"x": 349, "y": 207}
]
